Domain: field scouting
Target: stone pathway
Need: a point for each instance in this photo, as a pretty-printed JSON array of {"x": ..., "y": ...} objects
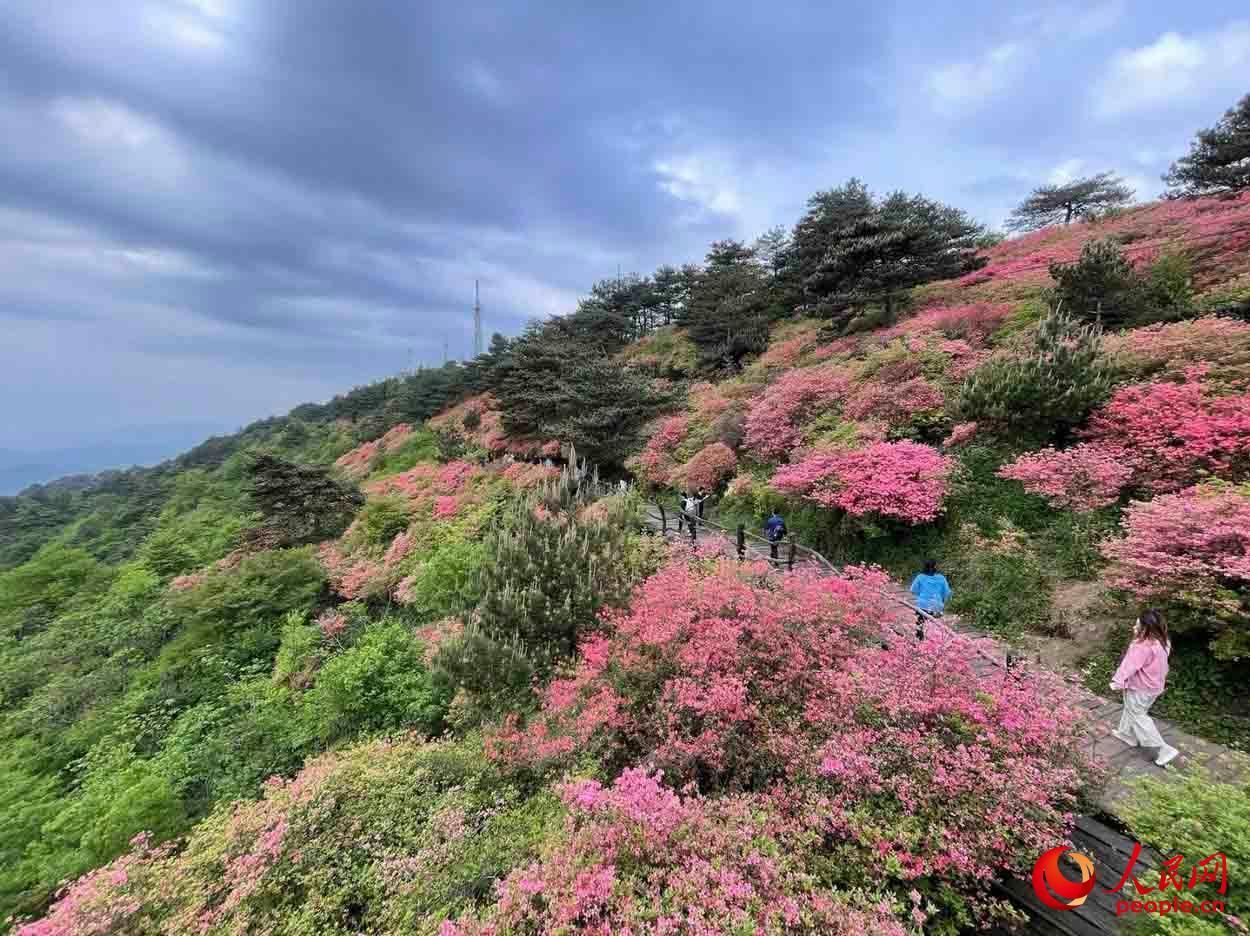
[{"x": 1122, "y": 762}]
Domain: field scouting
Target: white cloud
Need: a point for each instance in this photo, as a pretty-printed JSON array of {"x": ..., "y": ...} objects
[
  {"x": 1174, "y": 69},
  {"x": 702, "y": 181},
  {"x": 963, "y": 86},
  {"x": 1065, "y": 172}
]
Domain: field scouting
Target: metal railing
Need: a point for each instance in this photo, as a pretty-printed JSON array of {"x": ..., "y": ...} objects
[{"x": 741, "y": 534}]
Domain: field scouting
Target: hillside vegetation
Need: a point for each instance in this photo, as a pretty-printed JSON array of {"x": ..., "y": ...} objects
[{"x": 375, "y": 667}]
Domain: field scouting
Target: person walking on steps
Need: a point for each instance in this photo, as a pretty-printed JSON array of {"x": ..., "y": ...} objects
[
  {"x": 681, "y": 511},
  {"x": 930, "y": 589},
  {"x": 774, "y": 531},
  {"x": 692, "y": 507},
  {"x": 702, "y": 495},
  {"x": 1141, "y": 676}
]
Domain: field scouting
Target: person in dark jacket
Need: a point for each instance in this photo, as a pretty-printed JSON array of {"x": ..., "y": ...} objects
[{"x": 774, "y": 531}]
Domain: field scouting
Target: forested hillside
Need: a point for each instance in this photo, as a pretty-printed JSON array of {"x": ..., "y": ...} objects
[{"x": 399, "y": 663}]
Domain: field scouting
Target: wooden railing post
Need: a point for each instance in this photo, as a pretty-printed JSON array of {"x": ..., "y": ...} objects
[
  {"x": 694, "y": 524},
  {"x": 663, "y": 519},
  {"x": 742, "y": 542},
  {"x": 790, "y": 559}
]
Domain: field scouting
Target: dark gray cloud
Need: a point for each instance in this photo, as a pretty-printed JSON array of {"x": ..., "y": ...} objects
[{"x": 211, "y": 210}]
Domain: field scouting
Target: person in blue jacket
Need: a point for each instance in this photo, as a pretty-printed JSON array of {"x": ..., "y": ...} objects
[
  {"x": 931, "y": 589},
  {"x": 774, "y": 531}
]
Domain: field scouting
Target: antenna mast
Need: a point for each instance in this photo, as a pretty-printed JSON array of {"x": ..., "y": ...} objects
[{"x": 477, "y": 322}]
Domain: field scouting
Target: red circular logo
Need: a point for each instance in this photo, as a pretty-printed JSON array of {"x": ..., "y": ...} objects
[{"x": 1053, "y": 888}]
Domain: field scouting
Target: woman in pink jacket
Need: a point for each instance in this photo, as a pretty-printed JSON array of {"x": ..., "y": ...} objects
[{"x": 1141, "y": 676}]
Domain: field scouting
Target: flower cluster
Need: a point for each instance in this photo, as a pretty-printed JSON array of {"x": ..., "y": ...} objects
[
  {"x": 709, "y": 467},
  {"x": 526, "y": 475},
  {"x": 1176, "y": 345},
  {"x": 1085, "y": 477},
  {"x": 351, "y": 577},
  {"x": 1192, "y": 547},
  {"x": 959, "y": 434},
  {"x": 1173, "y": 434},
  {"x": 357, "y": 462},
  {"x": 637, "y": 857},
  {"x": 904, "y": 759},
  {"x": 774, "y": 419},
  {"x": 893, "y": 403},
  {"x": 975, "y": 322},
  {"x": 901, "y": 480}
]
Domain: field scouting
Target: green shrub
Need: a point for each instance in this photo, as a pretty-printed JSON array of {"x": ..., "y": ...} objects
[
  {"x": 1043, "y": 395},
  {"x": 447, "y": 578},
  {"x": 380, "y": 683},
  {"x": 1002, "y": 585},
  {"x": 382, "y": 518},
  {"x": 1194, "y": 816}
]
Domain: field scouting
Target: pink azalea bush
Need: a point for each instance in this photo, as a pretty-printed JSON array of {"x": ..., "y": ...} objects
[
  {"x": 894, "y": 759},
  {"x": 1176, "y": 345},
  {"x": 774, "y": 419},
  {"x": 357, "y": 462},
  {"x": 893, "y": 403},
  {"x": 900, "y": 480},
  {"x": 1173, "y": 434},
  {"x": 1191, "y": 548},
  {"x": 1085, "y": 477},
  {"x": 974, "y": 322},
  {"x": 637, "y": 857},
  {"x": 960, "y": 434},
  {"x": 351, "y": 577},
  {"x": 710, "y": 466},
  {"x": 525, "y": 476}
]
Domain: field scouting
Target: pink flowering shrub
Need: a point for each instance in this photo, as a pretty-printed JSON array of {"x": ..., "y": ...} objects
[
  {"x": 1190, "y": 549},
  {"x": 350, "y": 577},
  {"x": 900, "y": 480},
  {"x": 709, "y": 467},
  {"x": 331, "y": 624},
  {"x": 1173, "y": 434},
  {"x": 974, "y": 322},
  {"x": 389, "y": 836},
  {"x": 959, "y": 434},
  {"x": 440, "y": 489},
  {"x": 636, "y": 857},
  {"x": 1085, "y": 477},
  {"x": 357, "y": 462},
  {"x": 774, "y": 419},
  {"x": 1176, "y": 345},
  {"x": 892, "y": 758},
  {"x": 893, "y": 403},
  {"x": 525, "y": 476}
]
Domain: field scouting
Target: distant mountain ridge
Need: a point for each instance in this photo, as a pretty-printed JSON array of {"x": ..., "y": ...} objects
[{"x": 142, "y": 445}]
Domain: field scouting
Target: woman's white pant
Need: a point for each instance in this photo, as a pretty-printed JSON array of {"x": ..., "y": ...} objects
[{"x": 1135, "y": 721}]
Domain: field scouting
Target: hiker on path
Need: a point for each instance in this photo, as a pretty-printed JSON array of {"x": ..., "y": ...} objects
[
  {"x": 931, "y": 590},
  {"x": 681, "y": 510},
  {"x": 702, "y": 495},
  {"x": 1141, "y": 676},
  {"x": 692, "y": 507},
  {"x": 774, "y": 531}
]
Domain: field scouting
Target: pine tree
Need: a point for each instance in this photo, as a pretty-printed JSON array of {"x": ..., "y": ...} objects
[
  {"x": 1219, "y": 158},
  {"x": 1041, "y": 396},
  {"x": 1078, "y": 199}
]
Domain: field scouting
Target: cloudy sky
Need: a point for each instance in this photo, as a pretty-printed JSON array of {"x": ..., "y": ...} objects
[{"x": 212, "y": 210}]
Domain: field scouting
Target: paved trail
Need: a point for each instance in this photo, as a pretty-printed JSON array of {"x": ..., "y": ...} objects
[{"x": 1122, "y": 762}]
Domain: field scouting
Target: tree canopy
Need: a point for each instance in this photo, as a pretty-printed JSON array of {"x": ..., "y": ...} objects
[
  {"x": 1219, "y": 157},
  {"x": 1080, "y": 199},
  {"x": 853, "y": 249}
]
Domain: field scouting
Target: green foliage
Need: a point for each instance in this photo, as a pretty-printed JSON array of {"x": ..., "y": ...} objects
[
  {"x": 298, "y": 503},
  {"x": 563, "y": 385},
  {"x": 54, "y": 578},
  {"x": 1219, "y": 157},
  {"x": 1103, "y": 287},
  {"x": 1003, "y": 586},
  {"x": 1080, "y": 199},
  {"x": 1040, "y": 396},
  {"x": 421, "y": 446},
  {"x": 731, "y": 307},
  {"x": 382, "y": 518},
  {"x": 447, "y": 578},
  {"x": 1196, "y": 816},
  {"x": 380, "y": 683},
  {"x": 855, "y": 249},
  {"x": 546, "y": 579}
]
